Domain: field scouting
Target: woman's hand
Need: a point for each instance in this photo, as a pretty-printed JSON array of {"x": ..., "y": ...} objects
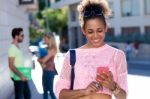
[
  {"x": 91, "y": 88},
  {"x": 39, "y": 60},
  {"x": 107, "y": 81}
]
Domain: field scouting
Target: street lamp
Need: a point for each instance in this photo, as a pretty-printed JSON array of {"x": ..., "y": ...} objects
[{"x": 47, "y": 23}]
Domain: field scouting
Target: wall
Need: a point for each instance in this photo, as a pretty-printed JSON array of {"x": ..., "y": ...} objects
[
  {"x": 118, "y": 21},
  {"x": 11, "y": 15}
]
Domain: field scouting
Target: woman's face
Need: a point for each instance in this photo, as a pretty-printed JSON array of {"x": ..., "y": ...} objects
[
  {"x": 95, "y": 32},
  {"x": 46, "y": 40}
]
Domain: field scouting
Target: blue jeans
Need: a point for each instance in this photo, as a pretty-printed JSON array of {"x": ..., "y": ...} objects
[
  {"x": 128, "y": 55},
  {"x": 47, "y": 81},
  {"x": 22, "y": 90}
]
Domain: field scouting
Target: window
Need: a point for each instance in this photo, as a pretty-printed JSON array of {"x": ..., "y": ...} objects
[
  {"x": 130, "y": 30},
  {"x": 147, "y": 34},
  {"x": 112, "y": 9},
  {"x": 147, "y": 29},
  {"x": 130, "y": 7},
  {"x": 57, "y": 0},
  {"x": 73, "y": 15},
  {"x": 147, "y": 6},
  {"x": 131, "y": 33},
  {"x": 110, "y": 32},
  {"x": 74, "y": 37},
  {"x": 21, "y": 2},
  {"x": 110, "y": 35}
]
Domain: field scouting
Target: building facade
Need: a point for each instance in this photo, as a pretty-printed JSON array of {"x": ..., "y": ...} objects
[
  {"x": 128, "y": 16},
  {"x": 11, "y": 15}
]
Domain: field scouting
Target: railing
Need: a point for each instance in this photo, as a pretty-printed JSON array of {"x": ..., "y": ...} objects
[{"x": 142, "y": 38}]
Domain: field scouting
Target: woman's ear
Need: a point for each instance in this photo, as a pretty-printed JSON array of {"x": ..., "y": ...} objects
[
  {"x": 106, "y": 28},
  {"x": 83, "y": 31}
]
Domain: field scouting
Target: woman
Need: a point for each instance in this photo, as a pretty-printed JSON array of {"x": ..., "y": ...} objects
[
  {"x": 94, "y": 55},
  {"x": 48, "y": 66}
]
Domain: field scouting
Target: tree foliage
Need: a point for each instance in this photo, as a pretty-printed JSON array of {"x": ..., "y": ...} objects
[
  {"x": 57, "y": 20},
  {"x": 35, "y": 34}
]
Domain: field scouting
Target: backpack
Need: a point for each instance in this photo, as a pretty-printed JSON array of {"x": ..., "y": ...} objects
[{"x": 72, "y": 63}]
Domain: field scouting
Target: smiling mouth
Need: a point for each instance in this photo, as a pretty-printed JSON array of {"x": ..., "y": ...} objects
[{"x": 96, "y": 41}]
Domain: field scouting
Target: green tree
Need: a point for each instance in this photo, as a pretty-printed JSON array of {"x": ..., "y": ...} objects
[
  {"x": 57, "y": 20},
  {"x": 35, "y": 34}
]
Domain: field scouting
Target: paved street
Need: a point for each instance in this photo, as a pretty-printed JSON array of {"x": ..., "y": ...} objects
[
  {"x": 138, "y": 80},
  {"x": 139, "y": 87},
  {"x": 6, "y": 85}
]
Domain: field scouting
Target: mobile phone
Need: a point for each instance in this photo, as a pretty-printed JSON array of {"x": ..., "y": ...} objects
[{"x": 100, "y": 71}]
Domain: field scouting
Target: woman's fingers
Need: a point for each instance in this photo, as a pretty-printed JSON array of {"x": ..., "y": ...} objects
[
  {"x": 101, "y": 77},
  {"x": 110, "y": 75},
  {"x": 105, "y": 76},
  {"x": 106, "y": 79},
  {"x": 93, "y": 87},
  {"x": 105, "y": 84}
]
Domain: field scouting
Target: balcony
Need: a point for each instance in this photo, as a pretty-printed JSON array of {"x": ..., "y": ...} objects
[
  {"x": 61, "y": 3},
  {"x": 29, "y": 5}
]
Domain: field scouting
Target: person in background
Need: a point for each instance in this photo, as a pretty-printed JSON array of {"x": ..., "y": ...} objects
[
  {"x": 128, "y": 50},
  {"x": 48, "y": 65},
  {"x": 63, "y": 46},
  {"x": 136, "y": 45},
  {"x": 15, "y": 61},
  {"x": 100, "y": 70}
]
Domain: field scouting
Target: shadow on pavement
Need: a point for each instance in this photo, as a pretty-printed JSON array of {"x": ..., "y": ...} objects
[
  {"x": 139, "y": 67},
  {"x": 140, "y": 72},
  {"x": 35, "y": 94}
]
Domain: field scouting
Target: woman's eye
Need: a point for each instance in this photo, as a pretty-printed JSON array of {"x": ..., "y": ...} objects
[
  {"x": 90, "y": 32},
  {"x": 100, "y": 31}
]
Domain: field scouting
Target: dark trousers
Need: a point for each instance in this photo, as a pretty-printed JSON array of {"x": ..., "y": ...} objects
[
  {"x": 47, "y": 81},
  {"x": 22, "y": 90}
]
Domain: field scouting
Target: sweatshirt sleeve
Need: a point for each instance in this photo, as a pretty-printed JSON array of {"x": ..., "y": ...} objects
[
  {"x": 122, "y": 71},
  {"x": 64, "y": 79}
]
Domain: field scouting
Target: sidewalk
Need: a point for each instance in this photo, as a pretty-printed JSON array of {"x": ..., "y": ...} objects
[
  {"x": 7, "y": 88},
  {"x": 6, "y": 85},
  {"x": 139, "y": 64}
]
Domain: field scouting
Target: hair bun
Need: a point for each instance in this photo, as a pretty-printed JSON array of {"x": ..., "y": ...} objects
[
  {"x": 103, "y": 4},
  {"x": 93, "y": 7}
]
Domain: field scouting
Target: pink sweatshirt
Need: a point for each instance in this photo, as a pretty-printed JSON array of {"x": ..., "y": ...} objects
[{"x": 87, "y": 61}]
